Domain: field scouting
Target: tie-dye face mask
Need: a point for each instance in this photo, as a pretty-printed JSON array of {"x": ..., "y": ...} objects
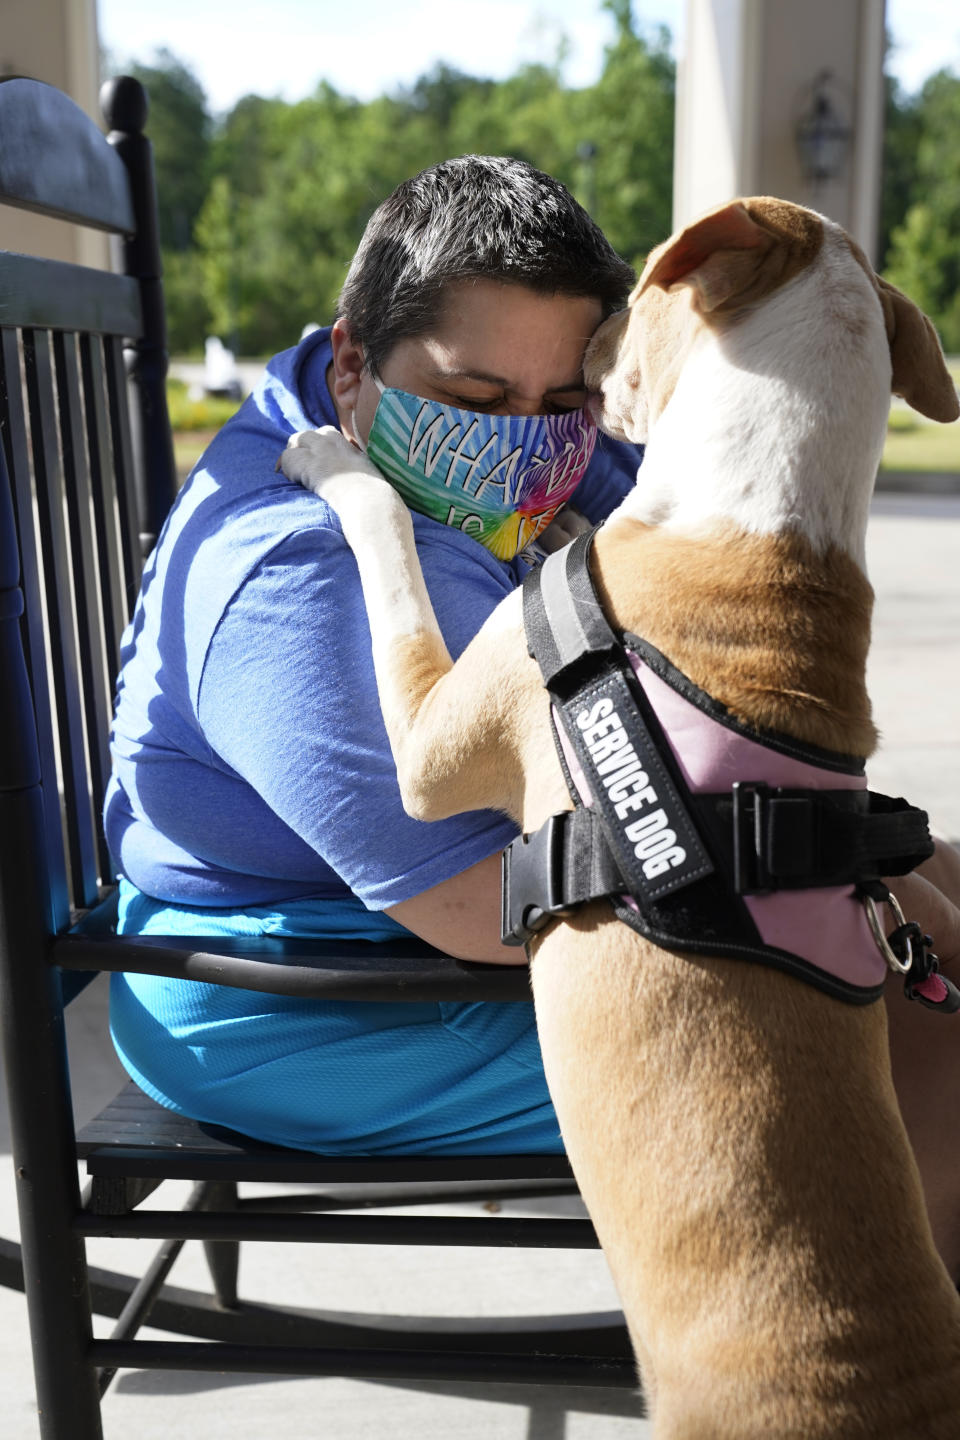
[{"x": 498, "y": 478}]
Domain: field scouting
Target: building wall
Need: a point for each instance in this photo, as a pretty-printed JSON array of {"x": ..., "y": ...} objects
[
  {"x": 55, "y": 41},
  {"x": 744, "y": 81}
]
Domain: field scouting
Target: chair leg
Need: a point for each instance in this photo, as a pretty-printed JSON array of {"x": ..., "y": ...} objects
[
  {"x": 223, "y": 1256},
  {"x": 44, "y": 1155}
]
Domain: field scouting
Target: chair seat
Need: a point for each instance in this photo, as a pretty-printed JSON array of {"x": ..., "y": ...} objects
[{"x": 134, "y": 1136}]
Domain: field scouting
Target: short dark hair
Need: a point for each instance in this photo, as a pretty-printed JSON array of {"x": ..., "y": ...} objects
[{"x": 478, "y": 216}]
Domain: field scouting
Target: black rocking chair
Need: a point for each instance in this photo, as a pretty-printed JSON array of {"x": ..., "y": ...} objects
[{"x": 86, "y": 477}]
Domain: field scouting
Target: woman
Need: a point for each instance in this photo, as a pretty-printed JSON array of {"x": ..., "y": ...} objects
[{"x": 253, "y": 787}]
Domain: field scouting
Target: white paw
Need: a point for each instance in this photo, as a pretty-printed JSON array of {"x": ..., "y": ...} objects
[
  {"x": 325, "y": 462},
  {"x": 314, "y": 458}
]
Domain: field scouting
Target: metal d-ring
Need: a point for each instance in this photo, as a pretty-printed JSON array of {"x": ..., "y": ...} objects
[{"x": 901, "y": 967}]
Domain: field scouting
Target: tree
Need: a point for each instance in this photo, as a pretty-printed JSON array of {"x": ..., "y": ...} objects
[
  {"x": 188, "y": 313},
  {"x": 902, "y": 128},
  {"x": 294, "y": 189},
  {"x": 628, "y": 117},
  {"x": 179, "y": 129},
  {"x": 288, "y": 189},
  {"x": 924, "y": 259}
]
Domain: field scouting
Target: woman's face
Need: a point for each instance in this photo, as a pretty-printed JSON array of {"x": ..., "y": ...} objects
[{"x": 497, "y": 348}]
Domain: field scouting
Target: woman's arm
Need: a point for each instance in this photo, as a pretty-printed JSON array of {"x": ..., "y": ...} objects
[{"x": 461, "y": 916}]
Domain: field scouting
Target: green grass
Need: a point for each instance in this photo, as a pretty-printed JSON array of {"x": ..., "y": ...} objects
[
  {"x": 206, "y": 413},
  {"x": 188, "y": 446},
  {"x": 914, "y": 443},
  {"x": 923, "y": 447}
]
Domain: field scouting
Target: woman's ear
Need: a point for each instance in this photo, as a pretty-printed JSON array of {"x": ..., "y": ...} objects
[{"x": 348, "y": 364}]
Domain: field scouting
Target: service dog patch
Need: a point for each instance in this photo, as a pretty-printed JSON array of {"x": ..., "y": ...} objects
[{"x": 646, "y": 823}]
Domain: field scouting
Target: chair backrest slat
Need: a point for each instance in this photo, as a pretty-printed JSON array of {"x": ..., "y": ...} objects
[
  {"x": 96, "y": 671},
  {"x": 17, "y": 446},
  {"x": 52, "y": 295},
  {"x": 61, "y": 616},
  {"x": 123, "y": 463},
  {"x": 118, "y": 585},
  {"x": 19, "y": 761}
]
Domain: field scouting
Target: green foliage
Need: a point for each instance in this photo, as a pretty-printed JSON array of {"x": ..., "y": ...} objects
[
  {"x": 179, "y": 128},
  {"x": 279, "y": 193},
  {"x": 260, "y": 214},
  {"x": 630, "y": 120},
  {"x": 188, "y": 310},
  {"x": 902, "y": 422},
  {"x": 923, "y": 257},
  {"x": 901, "y": 137},
  {"x": 931, "y": 448}
]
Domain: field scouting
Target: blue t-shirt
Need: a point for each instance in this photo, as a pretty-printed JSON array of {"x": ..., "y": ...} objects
[{"x": 250, "y": 761}]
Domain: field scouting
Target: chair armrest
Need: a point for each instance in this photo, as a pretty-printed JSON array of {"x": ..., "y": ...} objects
[{"x": 398, "y": 970}]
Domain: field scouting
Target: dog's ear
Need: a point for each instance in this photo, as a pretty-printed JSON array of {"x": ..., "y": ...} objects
[
  {"x": 920, "y": 374},
  {"x": 737, "y": 254}
]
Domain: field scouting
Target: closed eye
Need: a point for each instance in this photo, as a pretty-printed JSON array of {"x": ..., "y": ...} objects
[
  {"x": 477, "y": 402},
  {"x": 561, "y": 402}
]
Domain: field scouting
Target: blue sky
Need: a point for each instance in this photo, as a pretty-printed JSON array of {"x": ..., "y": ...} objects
[{"x": 284, "y": 47}]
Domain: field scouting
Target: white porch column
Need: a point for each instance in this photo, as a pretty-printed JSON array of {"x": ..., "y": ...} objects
[
  {"x": 745, "y": 80},
  {"x": 55, "y": 41}
]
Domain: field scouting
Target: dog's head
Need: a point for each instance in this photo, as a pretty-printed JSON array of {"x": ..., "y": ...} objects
[{"x": 712, "y": 274}]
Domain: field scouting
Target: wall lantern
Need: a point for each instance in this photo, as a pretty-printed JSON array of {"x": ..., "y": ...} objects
[{"x": 822, "y": 135}]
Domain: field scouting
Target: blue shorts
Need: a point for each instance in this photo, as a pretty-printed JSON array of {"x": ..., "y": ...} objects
[{"x": 336, "y": 1077}]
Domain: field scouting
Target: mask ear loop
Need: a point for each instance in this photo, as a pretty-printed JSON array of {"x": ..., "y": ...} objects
[{"x": 362, "y": 444}]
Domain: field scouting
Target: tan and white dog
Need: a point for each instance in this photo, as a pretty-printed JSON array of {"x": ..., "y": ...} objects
[{"x": 735, "y": 1132}]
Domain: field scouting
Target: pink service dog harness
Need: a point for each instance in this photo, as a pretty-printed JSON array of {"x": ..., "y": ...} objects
[{"x": 706, "y": 836}]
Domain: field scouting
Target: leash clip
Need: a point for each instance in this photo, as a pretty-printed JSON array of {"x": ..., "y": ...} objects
[{"x": 908, "y": 952}]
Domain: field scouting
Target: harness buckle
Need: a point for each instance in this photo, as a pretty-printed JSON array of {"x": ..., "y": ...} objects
[
  {"x": 751, "y": 800},
  {"x": 532, "y": 882}
]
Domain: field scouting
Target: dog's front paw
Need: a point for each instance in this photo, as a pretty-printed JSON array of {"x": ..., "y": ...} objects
[
  {"x": 325, "y": 462},
  {"x": 320, "y": 460}
]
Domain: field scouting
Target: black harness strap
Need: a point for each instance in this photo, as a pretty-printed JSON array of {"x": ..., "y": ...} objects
[
  {"x": 562, "y": 615},
  {"x": 650, "y": 833},
  {"x": 790, "y": 839}
]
